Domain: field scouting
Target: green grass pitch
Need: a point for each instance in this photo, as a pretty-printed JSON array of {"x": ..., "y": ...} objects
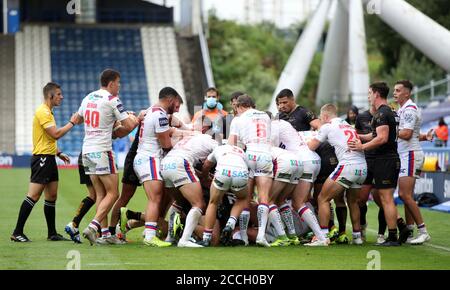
[{"x": 41, "y": 254}]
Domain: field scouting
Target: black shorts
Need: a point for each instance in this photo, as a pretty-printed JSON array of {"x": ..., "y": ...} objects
[
  {"x": 43, "y": 169},
  {"x": 84, "y": 179},
  {"x": 129, "y": 176},
  {"x": 370, "y": 167},
  {"x": 386, "y": 172},
  {"x": 327, "y": 166}
]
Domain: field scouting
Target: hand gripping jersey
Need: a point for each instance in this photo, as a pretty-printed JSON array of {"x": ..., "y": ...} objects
[
  {"x": 304, "y": 151},
  {"x": 338, "y": 133},
  {"x": 156, "y": 121},
  {"x": 100, "y": 110},
  {"x": 410, "y": 118}
]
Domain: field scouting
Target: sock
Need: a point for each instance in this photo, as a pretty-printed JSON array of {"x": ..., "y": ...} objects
[
  {"x": 401, "y": 224},
  {"x": 105, "y": 233},
  {"x": 363, "y": 213},
  {"x": 191, "y": 222},
  {"x": 207, "y": 234},
  {"x": 95, "y": 225},
  {"x": 171, "y": 212},
  {"x": 381, "y": 222},
  {"x": 288, "y": 218},
  {"x": 263, "y": 215},
  {"x": 231, "y": 222},
  {"x": 275, "y": 220},
  {"x": 24, "y": 212},
  {"x": 392, "y": 235},
  {"x": 341, "y": 213},
  {"x": 133, "y": 215},
  {"x": 49, "y": 212},
  {"x": 307, "y": 215},
  {"x": 112, "y": 230},
  {"x": 324, "y": 231},
  {"x": 244, "y": 218},
  {"x": 127, "y": 226},
  {"x": 422, "y": 229},
  {"x": 84, "y": 207},
  {"x": 356, "y": 235},
  {"x": 150, "y": 230},
  {"x": 331, "y": 222}
]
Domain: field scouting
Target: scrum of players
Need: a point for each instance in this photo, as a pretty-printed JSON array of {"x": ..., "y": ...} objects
[{"x": 269, "y": 183}]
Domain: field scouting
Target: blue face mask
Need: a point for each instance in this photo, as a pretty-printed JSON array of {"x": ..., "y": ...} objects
[{"x": 211, "y": 102}]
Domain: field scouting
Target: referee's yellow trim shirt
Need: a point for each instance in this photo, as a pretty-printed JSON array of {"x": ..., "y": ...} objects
[{"x": 42, "y": 142}]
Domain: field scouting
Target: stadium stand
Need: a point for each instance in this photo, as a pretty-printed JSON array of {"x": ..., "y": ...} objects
[
  {"x": 79, "y": 54},
  {"x": 7, "y": 100},
  {"x": 161, "y": 61},
  {"x": 31, "y": 74}
]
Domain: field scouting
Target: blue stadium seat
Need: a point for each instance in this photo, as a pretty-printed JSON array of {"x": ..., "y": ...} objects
[{"x": 78, "y": 55}]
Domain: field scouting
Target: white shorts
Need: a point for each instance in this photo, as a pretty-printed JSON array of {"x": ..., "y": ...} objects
[
  {"x": 350, "y": 175},
  {"x": 177, "y": 172},
  {"x": 411, "y": 163},
  {"x": 233, "y": 178},
  {"x": 99, "y": 163},
  {"x": 147, "y": 167},
  {"x": 287, "y": 168},
  {"x": 259, "y": 163},
  {"x": 311, "y": 169}
]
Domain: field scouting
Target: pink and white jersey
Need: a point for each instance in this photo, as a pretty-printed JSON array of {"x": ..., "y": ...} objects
[
  {"x": 228, "y": 156},
  {"x": 156, "y": 121},
  {"x": 100, "y": 111},
  {"x": 252, "y": 129},
  {"x": 338, "y": 133},
  {"x": 194, "y": 148},
  {"x": 410, "y": 118},
  {"x": 285, "y": 136}
]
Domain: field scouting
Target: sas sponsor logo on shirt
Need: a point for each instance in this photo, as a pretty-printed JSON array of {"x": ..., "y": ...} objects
[{"x": 163, "y": 121}]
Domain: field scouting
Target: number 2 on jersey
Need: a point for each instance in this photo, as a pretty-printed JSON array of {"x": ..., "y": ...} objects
[
  {"x": 351, "y": 135},
  {"x": 92, "y": 118}
]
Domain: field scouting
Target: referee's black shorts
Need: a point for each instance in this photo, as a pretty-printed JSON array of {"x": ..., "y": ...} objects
[
  {"x": 84, "y": 179},
  {"x": 43, "y": 169},
  {"x": 129, "y": 176},
  {"x": 386, "y": 172}
]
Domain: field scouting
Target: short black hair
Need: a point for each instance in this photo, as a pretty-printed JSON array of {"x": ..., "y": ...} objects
[
  {"x": 167, "y": 92},
  {"x": 406, "y": 84},
  {"x": 380, "y": 87},
  {"x": 50, "y": 88},
  {"x": 285, "y": 93},
  {"x": 107, "y": 76},
  {"x": 235, "y": 95}
]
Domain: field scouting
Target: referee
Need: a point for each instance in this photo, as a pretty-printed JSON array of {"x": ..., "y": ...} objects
[{"x": 44, "y": 172}]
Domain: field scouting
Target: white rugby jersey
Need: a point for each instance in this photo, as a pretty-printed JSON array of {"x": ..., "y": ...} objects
[
  {"x": 410, "y": 118},
  {"x": 304, "y": 151},
  {"x": 285, "y": 136},
  {"x": 338, "y": 133},
  {"x": 100, "y": 111},
  {"x": 228, "y": 156},
  {"x": 155, "y": 121},
  {"x": 194, "y": 148},
  {"x": 252, "y": 128}
]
